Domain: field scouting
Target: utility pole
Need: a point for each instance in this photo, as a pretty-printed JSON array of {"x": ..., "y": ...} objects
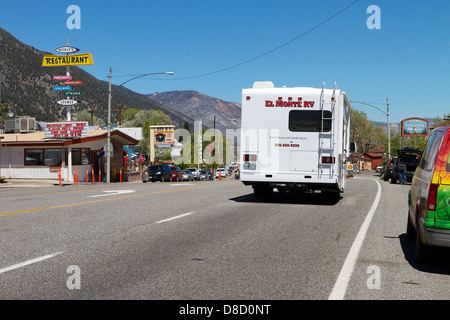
[
  {"x": 120, "y": 114},
  {"x": 388, "y": 130},
  {"x": 108, "y": 134},
  {"x": 92, "y": 114}
]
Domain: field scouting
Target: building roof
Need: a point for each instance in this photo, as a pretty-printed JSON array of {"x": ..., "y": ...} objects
[{"x": 38, "y": 138}]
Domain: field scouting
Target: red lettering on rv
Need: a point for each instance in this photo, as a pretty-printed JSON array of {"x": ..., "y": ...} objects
[
  {"x": 269, "y": 103},
  {"x": 289, "y": 104}
]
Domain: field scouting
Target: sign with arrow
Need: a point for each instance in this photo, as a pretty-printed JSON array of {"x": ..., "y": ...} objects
[
  {"x": 62, "y": 77},
  {"x": 74, "y": 82},
  {"x": 62, "y": 88},
  {"x": 73, "y": 93},
  {"x": 67, "y": 49},
  {"x": 67, "y": 102}
]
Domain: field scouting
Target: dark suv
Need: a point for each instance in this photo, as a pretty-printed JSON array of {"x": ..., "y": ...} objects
[
  {"x": 388, "y": 168},
  {"x": 159, "y": 172},
  {"x": 410, "y": 157}
]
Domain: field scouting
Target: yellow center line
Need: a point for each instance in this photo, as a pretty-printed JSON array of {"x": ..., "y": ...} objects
[{"x": 109, "y": 199}]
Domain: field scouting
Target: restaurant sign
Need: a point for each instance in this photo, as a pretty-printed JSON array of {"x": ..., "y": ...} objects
[{"x": 66, "y": 130}]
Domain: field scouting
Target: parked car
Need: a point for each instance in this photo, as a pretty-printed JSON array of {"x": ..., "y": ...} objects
[
  {"x": 177, "y": 175},
  {"x": 187, "y": 175},
  {"x": 221, "y": 172},
  {"x": 203, "y": 175},
  {"x": 194, "y": 172},
  {"x": 160, "y": 172},
  {"x": 409, "y": 156},
  {"x": 388, "y": 168},
  {"x": 429, "y": 196}
]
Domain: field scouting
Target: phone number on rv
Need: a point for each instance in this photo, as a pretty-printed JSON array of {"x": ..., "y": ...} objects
[{"x": 292, "y": 145}]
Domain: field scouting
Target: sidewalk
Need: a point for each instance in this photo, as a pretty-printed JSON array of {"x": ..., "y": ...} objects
[{"x": 29, "y": 183}]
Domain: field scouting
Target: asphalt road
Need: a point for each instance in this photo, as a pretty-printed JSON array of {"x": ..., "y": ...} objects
[{"x": 211, "y": 240}]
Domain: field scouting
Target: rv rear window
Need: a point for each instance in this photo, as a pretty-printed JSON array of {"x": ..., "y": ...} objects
[{"x": 309, "y": 121}]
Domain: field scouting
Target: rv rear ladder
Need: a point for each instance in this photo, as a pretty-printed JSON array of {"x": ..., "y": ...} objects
[{"x": 327, "y": 151}]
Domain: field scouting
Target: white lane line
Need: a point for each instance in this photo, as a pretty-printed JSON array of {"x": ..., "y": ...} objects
[
  {"x": 111, "y": 193},
  {"x": 340, "y": 287},
  {"x": 26, "y": 263},
  {"x": 176, "y": 217}
]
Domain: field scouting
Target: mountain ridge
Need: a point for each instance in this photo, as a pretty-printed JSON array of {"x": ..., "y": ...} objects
[
  {"x": 199, "y": 106},
  {"x": 27, "y": 87}
]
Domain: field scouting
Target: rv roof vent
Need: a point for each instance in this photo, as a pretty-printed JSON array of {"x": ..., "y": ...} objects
[{"x": 263, "y": 84}]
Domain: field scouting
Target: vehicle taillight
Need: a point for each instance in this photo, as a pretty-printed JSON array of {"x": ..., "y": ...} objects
[
  {"x": 432, "y": 196},
  {"x": 328, "y": 160}
]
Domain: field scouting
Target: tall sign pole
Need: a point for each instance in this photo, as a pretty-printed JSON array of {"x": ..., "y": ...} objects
[
  {"x": 67, "y": 60},
  {"x": 108, "y": 134}
]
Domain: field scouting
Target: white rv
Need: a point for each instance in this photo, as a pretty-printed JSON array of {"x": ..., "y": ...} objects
[{"x": 294, "y": 139}]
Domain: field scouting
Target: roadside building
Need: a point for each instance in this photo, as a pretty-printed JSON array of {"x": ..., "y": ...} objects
[
  {"x": 367, "y": 161},
  {"x": 36, "y": 156}
]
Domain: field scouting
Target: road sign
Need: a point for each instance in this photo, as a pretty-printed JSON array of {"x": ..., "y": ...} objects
[
  {"x": 67, "y": 102},
  {"x": 67, "y": 49},
  {"x": 75, "y": 82},
  {"x": 73, "y": 93},
  {"x": 64, "y": 88},
  {"x": 62, "y": 77},
  {"x": 50, "y": 60}
]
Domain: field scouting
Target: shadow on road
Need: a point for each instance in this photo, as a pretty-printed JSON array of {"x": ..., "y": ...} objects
[
  {"x": 289, "y": 198},
  {"x": 438, "y": 260}
]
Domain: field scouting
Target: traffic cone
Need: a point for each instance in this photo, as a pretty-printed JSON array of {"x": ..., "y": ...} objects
[{"x": 59, "y": 177}]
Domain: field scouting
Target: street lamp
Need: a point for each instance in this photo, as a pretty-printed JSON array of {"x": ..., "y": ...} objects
[
  {"x": 108, "y": 134},
  {"x": 388, "y": 125}
]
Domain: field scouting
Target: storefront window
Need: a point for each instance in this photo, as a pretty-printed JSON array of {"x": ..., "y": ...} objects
[
  {"x": 84, "y": 156},
  {"x": 52, "y": 157},
  {"x": 79, "y": 156},
  {"x": 34, "y": 157}
]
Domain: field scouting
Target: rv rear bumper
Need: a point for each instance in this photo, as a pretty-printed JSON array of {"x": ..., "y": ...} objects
[{"x": 295, "y": 186}]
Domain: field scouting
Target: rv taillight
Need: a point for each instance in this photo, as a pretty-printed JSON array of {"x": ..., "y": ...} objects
[
  {"x": 248, "y": 97},
  {"x": 249, "y": 157},
  {"x": 432, "y": 196},
  {"x": 328, "y": 160}
]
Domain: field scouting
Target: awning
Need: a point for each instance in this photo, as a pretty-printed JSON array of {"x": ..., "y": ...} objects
[{"x": 130, "y": 152}]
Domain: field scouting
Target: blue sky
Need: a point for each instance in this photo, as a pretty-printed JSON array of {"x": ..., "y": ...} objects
[{"x": 407, "y": 60}]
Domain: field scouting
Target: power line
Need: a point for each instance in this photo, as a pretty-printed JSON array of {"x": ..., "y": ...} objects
[{"x": 266, "y": 53}]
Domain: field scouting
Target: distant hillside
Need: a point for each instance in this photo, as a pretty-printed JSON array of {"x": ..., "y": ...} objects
[
  {"x": 202, "y": 107},
  {"x": 28, "y": 87}
]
